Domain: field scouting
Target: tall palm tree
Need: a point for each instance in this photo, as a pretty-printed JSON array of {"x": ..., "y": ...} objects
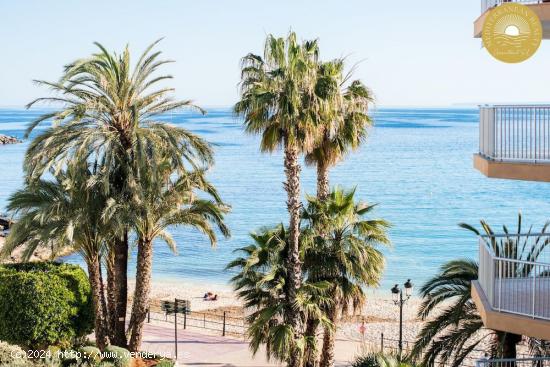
[
  {"x": 453, "y": 329},
  {"x": 109, "y": 114},
  {"x": 278, "y": 103},
  {"x": 345, "y": 255},
  {"x": 345, "y": 121},
  {"x": 165, "y": 202},
  {"x": 67, "y": 212},
  {"x": 260, "y": 283}
]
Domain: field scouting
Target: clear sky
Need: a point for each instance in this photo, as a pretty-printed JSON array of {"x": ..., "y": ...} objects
[{"x": 412, "y": 53}]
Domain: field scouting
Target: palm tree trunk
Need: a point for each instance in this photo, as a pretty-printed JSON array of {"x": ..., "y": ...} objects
[
  {"x": 111, "y": 294},
  {"x": 310, "y": 354},
  {"x": 329, "y": 337},
  {"x": 104, "y": 301},
  {"x": 141, "y": 294},
  {"x": 292, "y": 187},
  {"x": 323, "y": 188},
  {"x": 121, "y": 290},
  {"x": 508, "y": 344},
  {"x": 101, "y": 336}
]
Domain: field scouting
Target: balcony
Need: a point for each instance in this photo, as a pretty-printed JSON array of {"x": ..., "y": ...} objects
[
  {"x": 540, "y": 7},
  {"x": 520, "y": 362},
  {"x": 514, "y": 142},
  {"x": 512, "y": 292}
]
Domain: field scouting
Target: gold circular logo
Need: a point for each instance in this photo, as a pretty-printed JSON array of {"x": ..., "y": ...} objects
[{"x": 512, "y": 32}]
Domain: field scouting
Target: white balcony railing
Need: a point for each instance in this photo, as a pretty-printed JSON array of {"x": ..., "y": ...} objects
[
  {"x": 520, "y": 362},
  {"x": 514, "y": 273},
  {"x": 488, "y": 4},
  {"x": 515, "y": 133}
]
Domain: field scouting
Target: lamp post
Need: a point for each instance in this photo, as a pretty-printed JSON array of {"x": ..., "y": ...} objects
[{"x": 399, "y": 300}]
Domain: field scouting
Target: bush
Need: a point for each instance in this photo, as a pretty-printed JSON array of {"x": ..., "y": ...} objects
[
  {"x": 371, "y": 359},
  {"x": 92, "y": 355},
  {"x": 9, "y": 356},
  {"x": 43, "y": 304},
  {"x": 166, "y": 363},
  {"x": 366, "y": 360},
  {"x": 119, "y": 356}
]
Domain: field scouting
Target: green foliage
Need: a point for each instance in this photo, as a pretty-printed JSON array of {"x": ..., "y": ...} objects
[
  {"x": 366, "y": 360},
  {"x": 371, "y": 359},
  {"x": 43, "y": 304},
  {"x": 166, "y": 363},
  {"x": 260, "y": 283},
  {"x": 13, "y": 356},
  {"x": 119, "y": 356},
  {"x": 92, "y": 355},
  {"x": 344, "y": 118},
  {"x": 109, "y": 112},
  {"x": 340, "y": 257},
  {"x": 277, "y": 93},
  {"x": 68, "y": 358}
]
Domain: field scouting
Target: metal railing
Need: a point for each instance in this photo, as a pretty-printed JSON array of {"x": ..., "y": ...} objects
[
  {"x": 514, "y": 273},
  {"x": 221, "y": 322},
  {"x": 515, "y": 133},
  {"x": 488, "y": 4},
  {"x": 520, "y": 362}
]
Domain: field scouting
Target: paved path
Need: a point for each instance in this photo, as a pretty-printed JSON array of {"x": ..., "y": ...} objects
[{"x": 197, "y": 349}]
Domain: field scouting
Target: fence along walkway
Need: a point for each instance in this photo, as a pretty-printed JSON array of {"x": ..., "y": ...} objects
[{"x": 219, "y": 322}]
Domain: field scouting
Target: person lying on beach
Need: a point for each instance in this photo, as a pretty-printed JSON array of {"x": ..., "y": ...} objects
[
  {"x": 211, "y": 297},
  {"x": 207, "y": 296}
]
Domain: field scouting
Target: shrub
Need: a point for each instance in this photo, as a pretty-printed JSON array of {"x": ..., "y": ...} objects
[
  {"x": 68, "y": 358},
  {"x": 366, "y": 360},
  {"x": 166, "y": 363},
  {"x": 119, "y": 356},
  {"x": 371, "y": 359},
  {"x": 43, "y": 304},
  {"x": 12, "y": 355},
  {"x": 92, "y": 355}
]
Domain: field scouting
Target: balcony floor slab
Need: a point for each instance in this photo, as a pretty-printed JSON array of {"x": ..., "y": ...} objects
[
  {"x": 510, "y": 322},
  {"x": 526, "y": 171}
]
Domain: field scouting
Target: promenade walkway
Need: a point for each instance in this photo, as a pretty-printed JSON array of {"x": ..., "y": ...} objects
[{"x": 198, "y": 349}]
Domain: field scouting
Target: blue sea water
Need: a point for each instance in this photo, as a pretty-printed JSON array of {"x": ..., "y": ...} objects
[{"x": 417, "y": 165}]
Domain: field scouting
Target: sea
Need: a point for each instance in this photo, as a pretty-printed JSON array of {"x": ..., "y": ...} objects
[{"x": 416, "y": 166}]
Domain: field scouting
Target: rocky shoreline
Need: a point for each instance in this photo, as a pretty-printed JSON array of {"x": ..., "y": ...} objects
[{"x": 5, "y": 139}]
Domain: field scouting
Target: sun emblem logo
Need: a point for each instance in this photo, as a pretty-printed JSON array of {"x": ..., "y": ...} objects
[{"x": 512, "y": 33}]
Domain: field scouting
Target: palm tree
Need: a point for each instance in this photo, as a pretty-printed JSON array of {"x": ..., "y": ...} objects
[
  {"x": 65, "y": 213},
  {"x": 345, "y": 255},
  {"x": 278, "y": 103},
  {"x": 164, "y": 203},
  {"x": 453, "y": 333},
  {"x": 108, "y": 115},
  {"x": 260, "y": 283},
  {"x": 345, "y": 121}
]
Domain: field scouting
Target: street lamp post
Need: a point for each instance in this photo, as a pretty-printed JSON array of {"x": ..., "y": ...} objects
[{"x": 399, "y": 300}]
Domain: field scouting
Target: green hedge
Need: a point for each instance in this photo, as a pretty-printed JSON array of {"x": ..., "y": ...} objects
[{"x": 43, "y": 304}]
